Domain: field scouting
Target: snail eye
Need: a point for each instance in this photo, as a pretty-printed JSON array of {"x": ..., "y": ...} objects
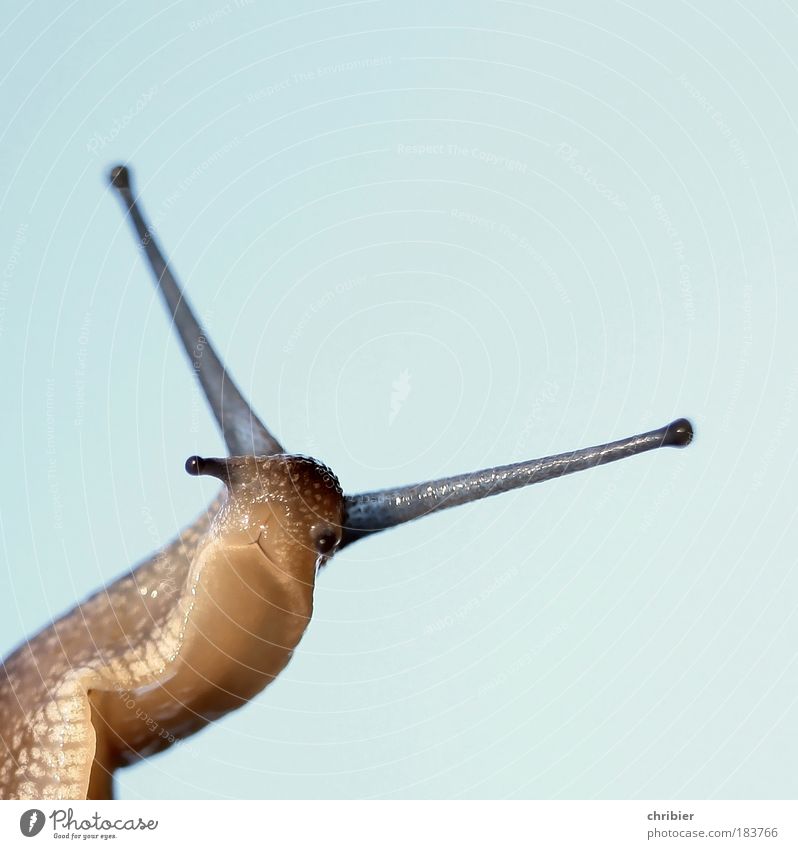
[{"x": 325, "y": 540}]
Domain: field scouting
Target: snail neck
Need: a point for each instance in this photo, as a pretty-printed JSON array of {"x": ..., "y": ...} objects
[
  {"x": 233, "y": 629},
  {"x": 242, "y": 617}
]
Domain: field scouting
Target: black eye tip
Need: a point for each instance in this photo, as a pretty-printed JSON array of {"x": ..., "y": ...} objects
[
  {"x": 194, "y": 465},
  {"x": 679, "y": 434},
  {"x": 119, "y": 177},
  {"x": 325, "y": 540}
]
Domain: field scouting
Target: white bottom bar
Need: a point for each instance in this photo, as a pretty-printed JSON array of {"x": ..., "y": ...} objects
[{"x": 385, "y": 824}]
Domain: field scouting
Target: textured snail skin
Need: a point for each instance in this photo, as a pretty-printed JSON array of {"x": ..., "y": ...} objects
[
  {"x": 189, "y": 635},
  {"x": 45, "y": 703},
  {"x": 206, "y": 623}
]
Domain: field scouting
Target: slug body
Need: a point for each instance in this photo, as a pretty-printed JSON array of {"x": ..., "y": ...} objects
[
  {"x": 189, "y": 635},
  {"x": 205, "y": 624}
]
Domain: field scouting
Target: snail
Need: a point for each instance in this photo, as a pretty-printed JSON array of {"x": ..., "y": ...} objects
[{"x": 206, "y": 623}]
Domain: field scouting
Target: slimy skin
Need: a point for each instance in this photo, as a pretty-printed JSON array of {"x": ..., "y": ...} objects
[
  {"x": 104, "y": 645},
  {"x": 207, "y": 622},
  {"x": 188, "y": 636}
]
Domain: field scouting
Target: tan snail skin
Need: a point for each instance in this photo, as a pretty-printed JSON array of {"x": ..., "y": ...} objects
[{"x": 207, "y": 622}]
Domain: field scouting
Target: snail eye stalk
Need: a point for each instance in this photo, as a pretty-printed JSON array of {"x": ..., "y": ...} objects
[
  {"x": 371, "y": 512},
  {"x": 324, "y": 540},
  {"x": 243, "y": 431}
]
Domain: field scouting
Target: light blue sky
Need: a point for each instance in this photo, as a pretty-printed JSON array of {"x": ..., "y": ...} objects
[{"x": 429, "y": 238}]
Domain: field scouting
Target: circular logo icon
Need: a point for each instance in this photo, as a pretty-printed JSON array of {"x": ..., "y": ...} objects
[{"x": 31, "y": 822}]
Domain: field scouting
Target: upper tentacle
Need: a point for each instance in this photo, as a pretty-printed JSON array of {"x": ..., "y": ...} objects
[{"x": 243, "y": 431}]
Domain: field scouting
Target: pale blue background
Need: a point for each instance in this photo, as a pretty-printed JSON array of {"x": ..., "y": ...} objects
[{"x": 627, "y": 632}]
